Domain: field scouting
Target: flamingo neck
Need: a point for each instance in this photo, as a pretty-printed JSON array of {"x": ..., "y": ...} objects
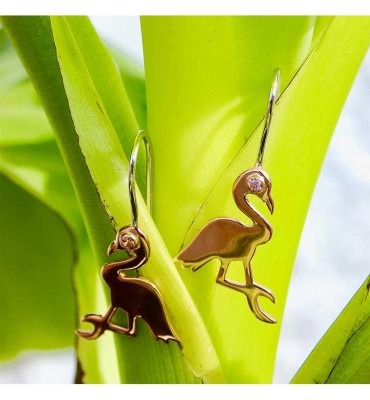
[{"x": 244, "y": 205}]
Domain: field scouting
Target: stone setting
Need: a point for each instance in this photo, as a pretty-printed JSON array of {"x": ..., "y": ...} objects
[
  {"x": 128, "y": 242},
  {"x": 255, "y": 184}
]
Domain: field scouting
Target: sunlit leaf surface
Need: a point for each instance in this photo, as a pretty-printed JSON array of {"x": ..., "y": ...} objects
[{"x": 217, "y": 103}]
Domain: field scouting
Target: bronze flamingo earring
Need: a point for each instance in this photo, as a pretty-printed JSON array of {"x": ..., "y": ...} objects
[
  {"x": 230, "y": 240},
  {"x": 136, "y": 296}
]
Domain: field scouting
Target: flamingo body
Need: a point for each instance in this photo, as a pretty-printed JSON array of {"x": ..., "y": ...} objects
[
  {"x": 136, "y": 296},
  {"x": 139, "y": 298},
  {"x": 223, "y": 238},
  {"x": 230, "y": 240}
]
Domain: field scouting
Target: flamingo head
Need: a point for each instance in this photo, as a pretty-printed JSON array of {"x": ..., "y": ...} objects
[
  {"x": 259, "y": 184},
  {"x": 128, "y": 238}
]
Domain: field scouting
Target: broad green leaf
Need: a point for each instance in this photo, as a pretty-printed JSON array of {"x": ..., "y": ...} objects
[
  {"x": 303, "y": 123},
  {"x": 212, "y": 87},
  {"x": 321, "y": 24},
  {"x": 342, "y": 355},
  {"x": 37, "y": 254},
  {"x": 108, "y": 167},
  {"x": 207, "y": 81}
]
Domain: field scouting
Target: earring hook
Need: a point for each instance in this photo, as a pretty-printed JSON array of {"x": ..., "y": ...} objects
[
  {"x": 274, "y": 93},
  {"x": 141, "y": 136}
]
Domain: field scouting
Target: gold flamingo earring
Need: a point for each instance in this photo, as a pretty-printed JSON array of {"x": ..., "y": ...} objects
[
  {"x": 138, "y": 297},
  {"x": 230, "y": 240}
]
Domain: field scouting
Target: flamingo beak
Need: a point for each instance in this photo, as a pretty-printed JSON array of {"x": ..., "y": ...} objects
[
  {"x": 269, "y": 202},
  {"x": 112, "y": 247}
]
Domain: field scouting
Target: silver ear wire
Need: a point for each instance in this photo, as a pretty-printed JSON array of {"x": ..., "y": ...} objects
[
  {"x": 141, "y": 136},
  {"x": 274, "y": 93}
]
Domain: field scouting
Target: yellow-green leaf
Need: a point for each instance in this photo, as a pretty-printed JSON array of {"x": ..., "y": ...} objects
[
  {"x": 213, "y": 139},
  {"x": 108, "y": 167}
]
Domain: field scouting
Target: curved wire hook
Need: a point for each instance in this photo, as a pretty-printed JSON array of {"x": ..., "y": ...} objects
[
  {"x": 141, "y": 136},
  {"x": 274, "y": 93}
]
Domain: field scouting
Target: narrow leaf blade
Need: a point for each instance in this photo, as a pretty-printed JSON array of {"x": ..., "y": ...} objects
[
  {"x": 108, "y": 167},
  {"x": 342, "y": 355}
]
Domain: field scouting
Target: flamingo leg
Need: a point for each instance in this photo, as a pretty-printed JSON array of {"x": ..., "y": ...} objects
[
  {"x": 130, "y": 331},
  {"x": 221, "y": 277},
  {"x": 252, "y": 291},
  {"x": 102, "y": 323}
]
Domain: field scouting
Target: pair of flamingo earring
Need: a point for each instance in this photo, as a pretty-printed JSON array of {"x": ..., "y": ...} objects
[
  {"x": 223, "y": 238},
  {"x": 137, "y": 296}
]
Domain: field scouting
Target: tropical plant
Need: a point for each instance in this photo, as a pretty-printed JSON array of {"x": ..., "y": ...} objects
[{"x": 202, "y": 101}]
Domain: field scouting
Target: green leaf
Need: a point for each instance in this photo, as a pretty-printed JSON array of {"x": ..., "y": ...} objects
[
  {"x": 133, "y": 79},
  {"x": 342, "y": 355},
  {"x": 106, "y": 79},
  {"x": 207, "y": 83},
  {"x": 108, "y": 167},
  {"x": 22, "y": 117},
  {"x": 44, "y": 177},
  {"x": 216, "y": 83},
  {"x": 321, "y": 24},
  {"x": 37, "y": 254},
  {"x": 26, "y": 133}
]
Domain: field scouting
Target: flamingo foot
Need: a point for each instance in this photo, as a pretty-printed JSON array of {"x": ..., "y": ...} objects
[
  {"x": 252, "y": 293},
  {"x": 100, "y": 325}
]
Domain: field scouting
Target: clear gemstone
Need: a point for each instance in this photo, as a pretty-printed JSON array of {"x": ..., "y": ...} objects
[
  {"x": 255, "y": 184},
  {"x": 127, "y": 242}
]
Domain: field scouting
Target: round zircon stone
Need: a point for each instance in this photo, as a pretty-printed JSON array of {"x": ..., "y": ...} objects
[
  {"x": 127, "y": 242},
  {"x": 255, "y": 184}
]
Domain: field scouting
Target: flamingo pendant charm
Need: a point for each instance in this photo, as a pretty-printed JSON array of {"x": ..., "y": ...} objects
[
  {"x": 230, "y": 240},
  {"x": 136, "y": 296}
]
